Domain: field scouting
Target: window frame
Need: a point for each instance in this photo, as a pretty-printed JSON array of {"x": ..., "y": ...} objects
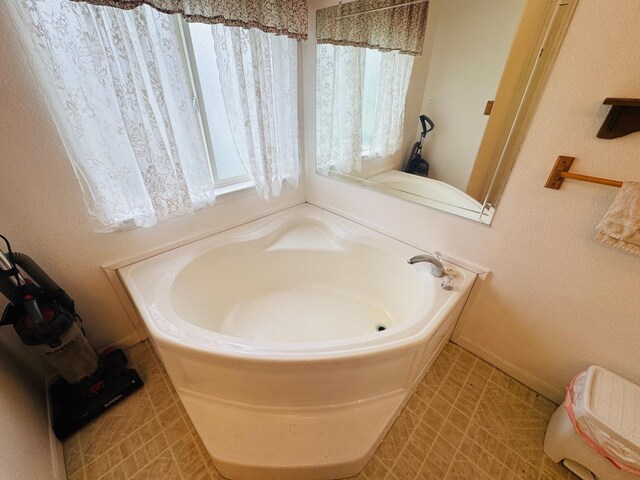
[{"x": 239, "y": 182}]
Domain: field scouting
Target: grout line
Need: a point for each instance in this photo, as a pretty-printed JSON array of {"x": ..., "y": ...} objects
[
  {"x": 455, "y": 360},
  {"x": 180, "y": 418},
  {"x": 520, "y": 457},
  {"x": 155, "y": 417},
  {"x": 82, "y": 455},
  {"x": 144, "y": 445},
  {"x": 464, "y": 433},
  {"x": 173, "y": 455},
  {"x": 484, "y": 389},
  {"x": 458, "y": 450},
  {"x": 163, "y": 429}
]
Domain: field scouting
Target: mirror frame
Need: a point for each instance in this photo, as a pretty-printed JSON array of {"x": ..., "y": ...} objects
[{"x": 529, "y": 63}]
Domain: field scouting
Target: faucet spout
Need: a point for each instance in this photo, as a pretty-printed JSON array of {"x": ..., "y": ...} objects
[{"x": 437, "y": 269}]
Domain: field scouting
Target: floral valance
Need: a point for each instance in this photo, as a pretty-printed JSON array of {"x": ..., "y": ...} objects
[
  {"x": 282, "y": 17},
  {"x": 386, "y": 25}
]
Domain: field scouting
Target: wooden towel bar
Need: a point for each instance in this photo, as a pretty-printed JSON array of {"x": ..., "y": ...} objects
[{"x": 560, "y": 171}]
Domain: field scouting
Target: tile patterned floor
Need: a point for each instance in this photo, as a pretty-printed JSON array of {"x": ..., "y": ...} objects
[{"x": 466, "y": 421}]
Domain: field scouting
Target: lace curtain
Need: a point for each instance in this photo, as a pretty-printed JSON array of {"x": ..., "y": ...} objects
[
  {"x": 340, "y": 78},
  {"x": 258, "y": 73},
  {"x": 115, "y": 83},
  {"x": 339, "y": 89},
  {"x": 395, "y": 73}
]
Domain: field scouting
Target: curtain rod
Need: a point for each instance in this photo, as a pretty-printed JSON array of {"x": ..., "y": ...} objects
[{"x": 379, "y": 9}]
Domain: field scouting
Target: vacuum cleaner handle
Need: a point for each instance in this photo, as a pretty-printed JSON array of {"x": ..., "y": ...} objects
[{"x": 424, "y": 120}]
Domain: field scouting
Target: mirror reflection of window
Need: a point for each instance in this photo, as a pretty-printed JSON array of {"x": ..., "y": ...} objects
[
  {"x": 471, "y": 68},
  {"x": 365, "y": 58},
  {"x": 386, "y": 80}
]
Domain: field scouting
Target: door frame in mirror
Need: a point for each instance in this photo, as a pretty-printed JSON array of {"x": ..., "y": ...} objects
[{"x": 527, "y": 70}]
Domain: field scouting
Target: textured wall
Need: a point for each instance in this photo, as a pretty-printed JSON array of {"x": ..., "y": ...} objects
[
  {"x": 464, "y": 72},
  {"x": 42, "y": 211},
  {"x": 556, "y": 300}
]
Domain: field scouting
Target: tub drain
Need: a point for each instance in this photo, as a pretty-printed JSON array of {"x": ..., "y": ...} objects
[{"x": 381, "y": 328}]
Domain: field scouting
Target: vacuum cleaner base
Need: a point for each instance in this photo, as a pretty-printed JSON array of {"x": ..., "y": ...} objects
[{"x": 73, "y": 407}]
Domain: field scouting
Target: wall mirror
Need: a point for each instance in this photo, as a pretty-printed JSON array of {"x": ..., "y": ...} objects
[{"x": 428, "y": 100}]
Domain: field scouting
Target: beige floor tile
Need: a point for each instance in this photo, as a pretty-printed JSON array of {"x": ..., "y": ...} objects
[
  {"x": 395, "y": 441},
  {"x": 426, "y": 392},
  {"x": 441, "y": 405},
  {"x": 164, "y": 467},
  {"x": 483, "y": 369},
  {"x": 451, "y": 349},
  {"x": 419, "y": 448},
  {"x": 79, "y": 475},
  {"x": 442, "y": 453},
  {"x": 406, "y": 466},
  {"x": 452, "y": 434},
  {"x": 72, "y": 454},
  {"x": 425, "y": 432},
  {"x": 190, "y": 462},
  {"x": 479, "y": 455},
  {"x": 447, "y": 360},
  {"x": 463, "y": 468},
  {"x": 459, "y": 419},
  {"x": 436, "y": 465},
  {"x": 466, "y": 421},
  {"x": 433, "y": 419},
  {"x": 375, "y": 469},
  {"x": 417, "y": 406},
  {"x": 451, "y": 389}
]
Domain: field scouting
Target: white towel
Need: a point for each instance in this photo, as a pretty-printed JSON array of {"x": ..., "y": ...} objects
[{"x": 620, "y": 226}]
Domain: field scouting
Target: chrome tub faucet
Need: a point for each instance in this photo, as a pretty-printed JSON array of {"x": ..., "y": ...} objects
[{"x": 437, "y": 269}]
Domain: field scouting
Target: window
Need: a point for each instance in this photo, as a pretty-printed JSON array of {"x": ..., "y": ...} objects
[
  {"x": 153, "y": 130},
  {"x": 200, "y": 55}
]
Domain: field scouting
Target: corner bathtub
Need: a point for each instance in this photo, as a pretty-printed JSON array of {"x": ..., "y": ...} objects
[{"x": 294, "y": 341}]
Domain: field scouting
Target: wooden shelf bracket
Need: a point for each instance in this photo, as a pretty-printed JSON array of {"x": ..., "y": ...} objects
[{"x": 623, "y": 118}]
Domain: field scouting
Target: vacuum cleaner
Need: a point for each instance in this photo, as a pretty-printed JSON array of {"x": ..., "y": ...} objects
[
  {"x": 417, "y": 165},
  {"x": 45, "y": 319}
]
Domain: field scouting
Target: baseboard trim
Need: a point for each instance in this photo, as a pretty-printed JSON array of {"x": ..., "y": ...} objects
[
  {"x": 531, "y": 381},
  {"x": 57, "y": 454}
]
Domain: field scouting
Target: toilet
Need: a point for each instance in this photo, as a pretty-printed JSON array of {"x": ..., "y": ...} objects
[{"x": 606, "y": 408}]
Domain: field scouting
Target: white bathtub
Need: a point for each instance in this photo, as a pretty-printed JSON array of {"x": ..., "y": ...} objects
[
  {"x": 269, "y": 332},
  {"x": 433, "y": 193}
]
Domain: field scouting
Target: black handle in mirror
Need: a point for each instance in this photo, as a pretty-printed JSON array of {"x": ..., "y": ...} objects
[{"x": 424, "y": 120}]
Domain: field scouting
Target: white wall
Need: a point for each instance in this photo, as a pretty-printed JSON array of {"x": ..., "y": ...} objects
[
  {"x": 471, "y": 44},
  {"x": 556, "y": 300},
  {"x": 26, "y": 447},
  {"x": 43, "y": 214}
]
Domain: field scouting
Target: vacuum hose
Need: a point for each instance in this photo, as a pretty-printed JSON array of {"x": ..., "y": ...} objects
[
  {"x": 44, "y": 280},
  {"x": 35, "y": 272}
]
